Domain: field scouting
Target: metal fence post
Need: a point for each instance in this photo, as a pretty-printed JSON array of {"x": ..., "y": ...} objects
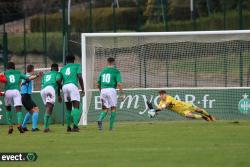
[
  {"x": 90, "y": 26},
  {"x": 24, "y": 41},
  {"x": 138, "y": 16},
  {"x": 5, "y": 49},
  {"x": 192, "y": 9},
  {"x": 224, "y": 15},
  {"x": 240, "y": 15},
  {"x": 114, "y": 16},
  {"x": 45, "y": 33},
  {"x": 165, "y": 13}
]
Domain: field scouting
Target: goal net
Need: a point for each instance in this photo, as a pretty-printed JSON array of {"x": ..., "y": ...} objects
[{"x": 210, "y": 69}]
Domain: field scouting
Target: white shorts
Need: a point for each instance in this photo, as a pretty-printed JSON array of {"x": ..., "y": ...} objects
[
  {"x": 48, "y": 95},
  {"x": 13, "y": 97},
  {"x": 109, "y": 97},
  {"x": 71, "y": 93}
]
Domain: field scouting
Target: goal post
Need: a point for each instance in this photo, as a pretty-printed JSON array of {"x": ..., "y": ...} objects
[{"x": 191, "y": 66}]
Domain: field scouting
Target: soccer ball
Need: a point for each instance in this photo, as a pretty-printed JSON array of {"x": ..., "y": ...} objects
[{"x": 151, "y": 113}]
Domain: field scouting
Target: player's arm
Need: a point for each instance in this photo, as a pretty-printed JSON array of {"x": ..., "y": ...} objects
[
  {"x": 119, "y": 84},
  {"x": 59, "y": 84},
  {"x": 98, "y": 86},
  {"x": 80, "y": 80},
  {"x": 164, "y": 105},
  {"x": 81, "y": 83},
  {"x": 120, "y": 87},
  {"x": 32, "y": 77}
]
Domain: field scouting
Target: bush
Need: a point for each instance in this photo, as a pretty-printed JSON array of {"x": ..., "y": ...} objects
[
  {"x": 214, "y": 22},
  {"x": 34, "y": 43},
  {"x": 102, "y": 20}
]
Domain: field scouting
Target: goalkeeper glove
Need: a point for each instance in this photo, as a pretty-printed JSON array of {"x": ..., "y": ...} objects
[{"x": 151, "y": 113}]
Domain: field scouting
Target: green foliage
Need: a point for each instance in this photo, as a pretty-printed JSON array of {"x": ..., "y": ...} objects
[
  {"x": 102, "y": 19},
  {"x": 214, "y": 22},
  {"x": 35, "y": 44}
]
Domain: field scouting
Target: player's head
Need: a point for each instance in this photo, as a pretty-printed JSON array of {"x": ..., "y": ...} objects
[
  {"x": 11, "y": 65},
  {"x": 54, "y": 67},
  {"x": 30, "y": 68},
  {"x": 162, "y": 94},
  {"x": 111, "y": 61},
  {"x": 70, "y": 58}
]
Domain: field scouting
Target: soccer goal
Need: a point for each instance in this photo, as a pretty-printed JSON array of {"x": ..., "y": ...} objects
[{"x": 210, "y": 69}]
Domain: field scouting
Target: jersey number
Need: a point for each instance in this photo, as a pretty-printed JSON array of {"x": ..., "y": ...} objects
[
  {"x": 67, "y": 72},
  {"x": 48, "y": 77},
  {"x": 12, "y": 79},
  {"x": 106, "y": 78}
]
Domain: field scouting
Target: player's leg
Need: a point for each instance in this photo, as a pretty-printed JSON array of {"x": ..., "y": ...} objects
[
  {"x": 9, "y": 119},
  {"x": 68, "y": 115},
  {"x": 189, "y": 114},
  {"x": 113, "y": 103},
  {"x": 47, "y": 115},
  {"x": 25, "y": 121},
  {"x": 17, "y": 99},
  {"x": 204, "y": 113},
  {"x": 32, "y": 109},
  {"x": 75, "y": 99},
  {"x": 112, "y": 118},
  {"x": 25, "y": 102},
  {"x": 67, "y": 100},
  {"x": 105, "y": 107},
  {"x": 19, "y": 115},
  {"x": 102, "y": 115},
  {"x": 48, "y": 96},
  {"x": 8, "y": 114},
  {"x": 197, "y": 116},
  {"x": 35, "y": 111},
  {"x": 76, "y": 115}
]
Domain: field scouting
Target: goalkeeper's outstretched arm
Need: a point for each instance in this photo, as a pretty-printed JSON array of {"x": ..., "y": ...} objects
[{"x": 163, "y": 106}]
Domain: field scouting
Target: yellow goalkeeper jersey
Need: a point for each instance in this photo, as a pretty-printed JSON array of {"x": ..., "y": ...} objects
[{"x": 176, "y": 105}]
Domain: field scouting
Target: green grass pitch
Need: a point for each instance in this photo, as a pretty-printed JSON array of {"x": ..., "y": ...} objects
[{"x": 146, "y": 144}]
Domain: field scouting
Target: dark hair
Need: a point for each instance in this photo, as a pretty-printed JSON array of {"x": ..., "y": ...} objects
[
  {"x": 11, "y": 65},
  {"x": 54, "y": 67},
  {"x": 70, "y": 58},
  {"x": 162, "y": 92},
  {"x": 111, "y": 60},
  {"x": 30, "y": 68}
]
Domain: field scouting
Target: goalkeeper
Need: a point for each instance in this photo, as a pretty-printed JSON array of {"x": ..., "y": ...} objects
[{"x": 185, "y": 109}]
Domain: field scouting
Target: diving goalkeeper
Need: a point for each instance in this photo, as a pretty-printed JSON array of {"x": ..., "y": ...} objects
[{"x": 185, "y": 109}]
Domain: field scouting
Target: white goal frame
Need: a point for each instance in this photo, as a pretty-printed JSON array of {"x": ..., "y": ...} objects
[{"x": 138, "y": 34}]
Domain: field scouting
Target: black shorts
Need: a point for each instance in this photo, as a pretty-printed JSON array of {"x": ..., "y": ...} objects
[{"x": 27, "y": 101}]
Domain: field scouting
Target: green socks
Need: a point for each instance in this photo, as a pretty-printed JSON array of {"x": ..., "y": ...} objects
[
  {"x": 112, "y": 120},
  {"x": 68, "y": 115},
  {"x": 9, "y": 118},
  {"x": 102, "y": 116},
  {"x": 19, "y": 117},
  {"x": 46, "y": 120},
  {"x": 76, "y": 115}
]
